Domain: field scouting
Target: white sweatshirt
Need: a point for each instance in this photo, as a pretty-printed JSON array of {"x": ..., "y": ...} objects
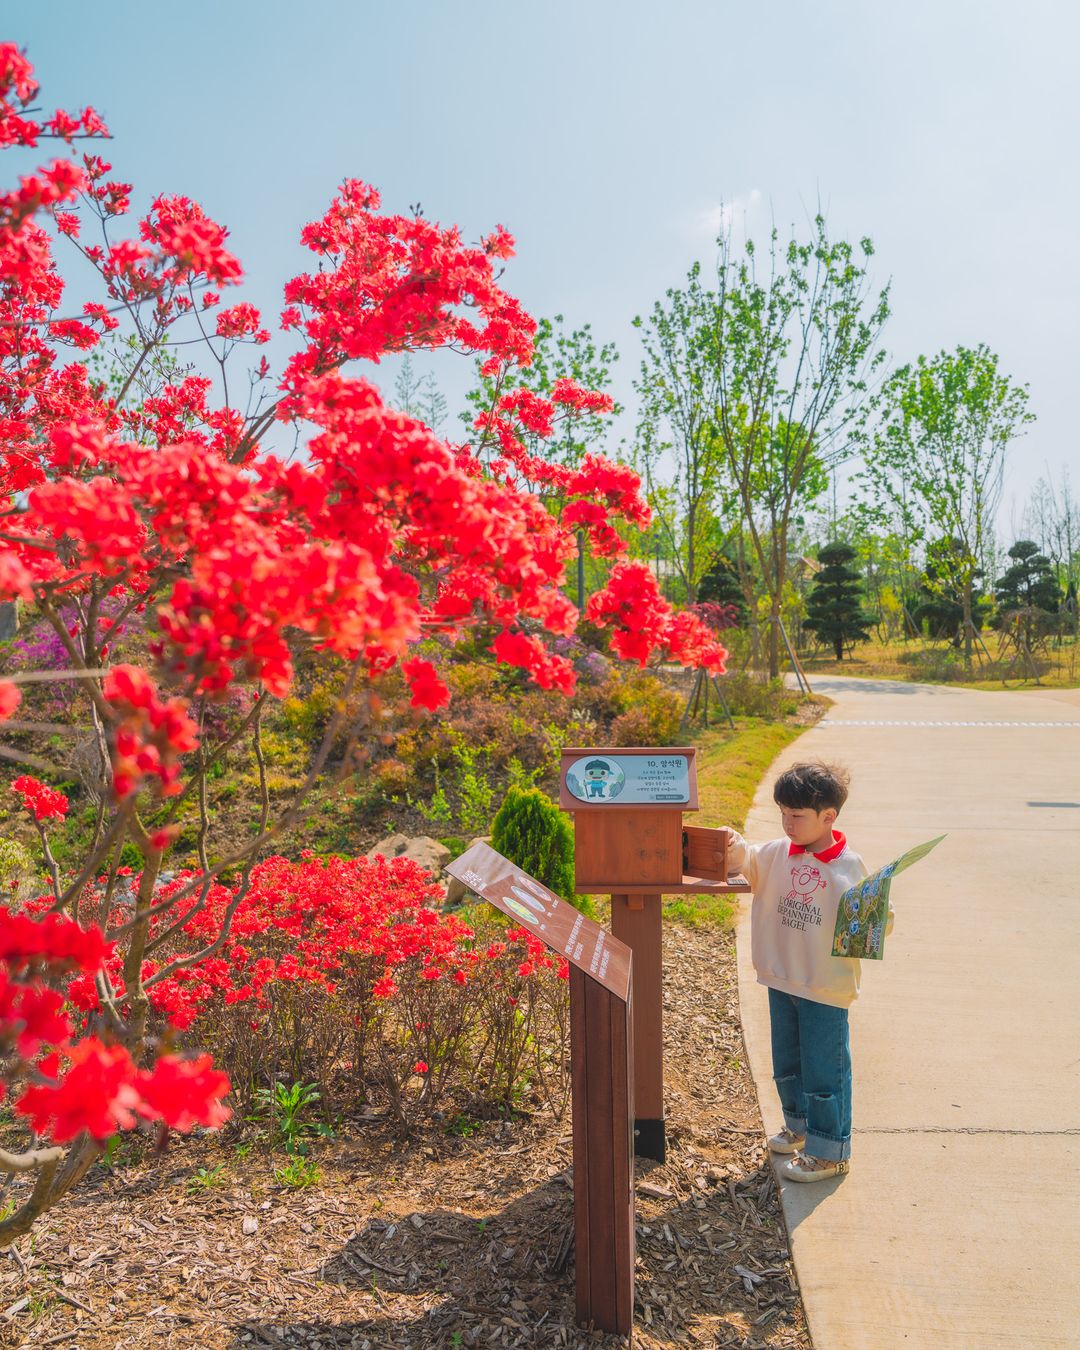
[{"x": 796, "y": 896}]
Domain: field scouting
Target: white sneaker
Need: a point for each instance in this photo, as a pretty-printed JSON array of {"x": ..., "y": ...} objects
[
  {"x": 807, "y": 1168},
  {"x": 786, "y": 1142}
]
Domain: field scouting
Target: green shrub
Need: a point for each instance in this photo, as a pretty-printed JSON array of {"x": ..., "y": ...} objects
[
  {"x": 646, "y": 711},
  {"x": 532, "y": 832},
  {"x": 753, "y": 696}
]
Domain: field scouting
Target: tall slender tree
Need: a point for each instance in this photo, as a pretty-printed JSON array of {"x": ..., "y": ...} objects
[
  {"x": 676, "y": 448},
  {"x": 794, "y": 351},
  {"x": 936, "y": 458}
]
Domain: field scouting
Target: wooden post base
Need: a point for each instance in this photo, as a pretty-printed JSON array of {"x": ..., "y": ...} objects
[
  {"x": 636, "y": 920},
  {"x": 601, "y": 1051}
]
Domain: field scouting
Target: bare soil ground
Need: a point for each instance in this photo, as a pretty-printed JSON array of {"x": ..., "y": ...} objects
[{"x": 439, "y": 1241}]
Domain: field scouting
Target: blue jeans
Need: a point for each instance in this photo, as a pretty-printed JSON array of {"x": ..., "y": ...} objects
[{"x": 812, "y": 1072}]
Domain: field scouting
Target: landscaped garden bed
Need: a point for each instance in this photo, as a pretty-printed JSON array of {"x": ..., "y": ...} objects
[{"x": 460, "y": 1234}]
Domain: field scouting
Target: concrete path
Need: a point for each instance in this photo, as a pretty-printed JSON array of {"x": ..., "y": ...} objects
[{"x": 959, "y": 1224}]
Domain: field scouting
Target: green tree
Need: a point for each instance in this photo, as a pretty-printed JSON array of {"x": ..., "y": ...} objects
[
  {"x": 676, "y": 449},
  {"x": 557, "y": 354},
  {"x": 936, "y": 459},
  {"x": 532, "y": 832},
  {"x": 1029, "y": 583},
  {"x": 793, "y": 351},
  {"x": 420, "y": 396},
  {"x": 834, "y": 606},
  {"x": 721, "y": 585},
  {"x": 939, "y": 605}
]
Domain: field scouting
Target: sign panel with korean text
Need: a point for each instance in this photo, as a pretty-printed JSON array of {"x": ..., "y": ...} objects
[{"x": 597, "y": 778}]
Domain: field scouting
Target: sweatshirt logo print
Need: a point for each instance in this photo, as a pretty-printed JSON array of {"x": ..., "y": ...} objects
[
  {"x": 806, "y": 881},
  {"x": 796, "y": 909}
]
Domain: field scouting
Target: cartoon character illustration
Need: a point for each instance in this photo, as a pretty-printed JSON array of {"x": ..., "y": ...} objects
[
  {"x": 598, "y": 774},
  {"x": 806, "y": 881}
]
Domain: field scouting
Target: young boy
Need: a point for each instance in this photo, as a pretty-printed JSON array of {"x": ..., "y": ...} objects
[{"x": 797, "y": 883}]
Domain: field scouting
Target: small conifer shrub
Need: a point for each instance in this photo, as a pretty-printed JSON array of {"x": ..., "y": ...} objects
[{"x": 532, "y": 832}]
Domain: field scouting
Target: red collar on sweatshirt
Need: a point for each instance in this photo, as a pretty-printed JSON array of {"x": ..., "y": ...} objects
[{"x": 830, "y": 854}]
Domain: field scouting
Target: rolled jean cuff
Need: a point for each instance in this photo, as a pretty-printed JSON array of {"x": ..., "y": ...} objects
[
  {"x": 796, "y": 1124},
  {"x": 831, "y": 1150}
]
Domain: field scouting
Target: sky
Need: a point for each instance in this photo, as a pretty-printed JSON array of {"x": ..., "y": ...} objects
[{"x": 608, "y": 136}]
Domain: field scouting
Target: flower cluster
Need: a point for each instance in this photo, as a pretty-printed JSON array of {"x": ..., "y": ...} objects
[
  {"x": 644, "y": 623},
  {"x": 151, "y": 733},
  {"x": 71, "y": 1086},
  {"x": 41, "y": 801}
]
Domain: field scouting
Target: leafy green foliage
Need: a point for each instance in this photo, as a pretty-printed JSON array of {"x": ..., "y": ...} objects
[
  {"x": 287, "y": 1106},
  {"x": 1030, "y": 582},
  {"x": 936, "y": 460},
  {"x": 721, "y": 586},
  {"x": 532, "y": 832}
]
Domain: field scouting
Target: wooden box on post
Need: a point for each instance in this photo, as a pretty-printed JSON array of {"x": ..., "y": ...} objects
[
  {"x": 602, "y": 1066},
  {"x": 630, "y": 842}
]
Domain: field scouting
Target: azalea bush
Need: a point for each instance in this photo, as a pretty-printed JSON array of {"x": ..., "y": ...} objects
[
  {"x": 158, "y": 524},
  {"x": 340, "y": 972}
]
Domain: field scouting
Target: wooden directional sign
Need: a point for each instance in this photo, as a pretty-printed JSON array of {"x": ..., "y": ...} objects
[
  {"x": 585, "y": 944},
  {"x": 601, "y": 1052}
]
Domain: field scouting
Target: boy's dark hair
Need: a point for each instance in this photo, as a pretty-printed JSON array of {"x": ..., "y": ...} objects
[{"x": 812, "y": 787}]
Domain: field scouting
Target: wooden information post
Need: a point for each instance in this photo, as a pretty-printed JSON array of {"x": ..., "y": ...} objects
[
  {"x": 631, "y": 843},
  {"x": 601, "y": 1029}
]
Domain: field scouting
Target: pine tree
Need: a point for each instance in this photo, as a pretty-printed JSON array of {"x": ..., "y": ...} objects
[
  {"x": 532, "y": 832},
  {"x": 720, "y": 586},
  {"x": 834, "y": 607},
  {"x": 1030, "y": 582}
]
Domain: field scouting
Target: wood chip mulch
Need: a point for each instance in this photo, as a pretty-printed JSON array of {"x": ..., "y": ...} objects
[{"x": 442, "y": 1241}]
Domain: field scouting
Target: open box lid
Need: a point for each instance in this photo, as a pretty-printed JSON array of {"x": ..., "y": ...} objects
[{"x": 620, "y": 778}]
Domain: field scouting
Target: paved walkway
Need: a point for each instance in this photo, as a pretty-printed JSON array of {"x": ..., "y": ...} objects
[{"x": 959, "y": 1224}]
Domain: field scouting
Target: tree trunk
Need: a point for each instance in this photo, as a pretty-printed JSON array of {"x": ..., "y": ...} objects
[
  {"x": 969, "y": 626},
  {"x": 774, "y": 637},
  {"x": 838, "y": 643}
]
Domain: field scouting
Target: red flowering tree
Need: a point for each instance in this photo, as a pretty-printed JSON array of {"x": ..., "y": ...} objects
[{"x": 162, "y": 516}]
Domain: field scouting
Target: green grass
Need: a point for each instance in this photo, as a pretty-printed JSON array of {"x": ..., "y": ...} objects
[{"x": 730, "y": 765}]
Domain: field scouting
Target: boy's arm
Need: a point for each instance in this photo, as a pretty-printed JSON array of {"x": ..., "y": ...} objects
[{"x": 742, "y": 857}]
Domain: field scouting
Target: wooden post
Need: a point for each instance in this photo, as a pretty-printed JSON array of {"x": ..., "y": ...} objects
[
  {"x": 600, "y": 1034},
  {"x": 636, "y": 920},
  {"x": 602, "y": 1067}
]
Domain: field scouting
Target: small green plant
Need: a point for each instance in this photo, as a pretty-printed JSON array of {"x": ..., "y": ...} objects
[
  {"x": 531, "y": 831},
  {"x": 463, "y": 1127},
  {"x": 298, "y": 1173},
  {"x": 109, "y": 1155},
  {"x": 205, "y": 1179},
  {"x": 242, "y": 1150},
  {"x": 286, "y": 1106},
  {"x": 439, "y": 808},
  {"x": 474, "y": 790},
  {"x": 520, "y": 777}
]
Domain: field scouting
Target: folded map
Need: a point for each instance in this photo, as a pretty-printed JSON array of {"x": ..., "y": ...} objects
[{"x": 863, "y": 912}]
